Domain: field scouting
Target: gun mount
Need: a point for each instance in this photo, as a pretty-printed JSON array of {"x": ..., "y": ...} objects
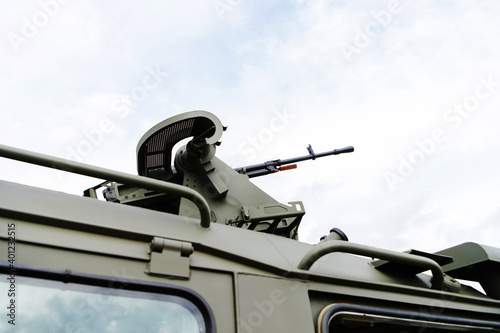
[
  {"x": 232, "y": 198},
  {"x": 168, "y": 274}
]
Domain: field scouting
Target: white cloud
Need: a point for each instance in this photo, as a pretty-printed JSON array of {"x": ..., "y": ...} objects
[{"x": 258, "y": 57}]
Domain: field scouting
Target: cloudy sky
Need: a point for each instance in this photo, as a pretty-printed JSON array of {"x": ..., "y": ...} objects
[{"x": 413, "y": 86}]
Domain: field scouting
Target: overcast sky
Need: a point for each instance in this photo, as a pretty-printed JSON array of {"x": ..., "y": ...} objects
[{"x": 414, "y": 86}]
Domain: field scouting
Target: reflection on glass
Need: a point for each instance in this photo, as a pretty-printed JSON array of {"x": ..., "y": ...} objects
[
  {"x": 49, "y": 306},
  {"x": 345, "y": 321}
]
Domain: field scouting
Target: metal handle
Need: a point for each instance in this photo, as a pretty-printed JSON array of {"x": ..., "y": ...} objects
[
  {"x": 327, "y": 247},
  {"x": 111, "y": 175}
]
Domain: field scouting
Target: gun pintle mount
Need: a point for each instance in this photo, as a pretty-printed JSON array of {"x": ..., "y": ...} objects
[{"x": 232, "y": 198}]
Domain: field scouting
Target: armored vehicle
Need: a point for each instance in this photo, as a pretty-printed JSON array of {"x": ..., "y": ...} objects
[{"x": 190, "y": 244}]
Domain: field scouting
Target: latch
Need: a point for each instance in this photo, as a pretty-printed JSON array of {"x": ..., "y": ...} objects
[
  {"x": 169, "y": 258},
  {"x": 245, "y": 213}
]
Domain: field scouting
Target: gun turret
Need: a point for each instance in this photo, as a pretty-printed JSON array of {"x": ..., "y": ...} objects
[
  {"x": 268, "y": 167},
  {"x": 233, "y": 199}
]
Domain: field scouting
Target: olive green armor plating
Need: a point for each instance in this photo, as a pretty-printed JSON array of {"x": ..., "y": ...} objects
[{"x": 192, "y": 245}]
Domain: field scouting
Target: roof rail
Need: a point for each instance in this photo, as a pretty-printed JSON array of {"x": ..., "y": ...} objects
[
  {"x": 110, "y": 175},
  {"x": 324, "y": 248}
]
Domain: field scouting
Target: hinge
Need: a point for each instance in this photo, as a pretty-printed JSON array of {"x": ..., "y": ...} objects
[{"x": 169, "y": 258}]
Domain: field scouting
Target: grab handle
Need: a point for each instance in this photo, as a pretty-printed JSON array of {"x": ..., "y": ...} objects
[
  {"x": 98, "y": 172},
  {"x": 328, "y": 247}
]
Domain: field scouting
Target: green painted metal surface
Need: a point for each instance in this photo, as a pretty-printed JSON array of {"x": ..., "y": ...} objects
[{"x": 201, "y": 230}]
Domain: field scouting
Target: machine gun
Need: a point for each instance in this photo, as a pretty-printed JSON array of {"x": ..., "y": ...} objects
[
  {"x": 232, "y": 198},
  {"x": 287, "y": 164}
]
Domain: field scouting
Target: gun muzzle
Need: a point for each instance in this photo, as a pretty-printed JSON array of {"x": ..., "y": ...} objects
[{"x": 348, "y": 149}]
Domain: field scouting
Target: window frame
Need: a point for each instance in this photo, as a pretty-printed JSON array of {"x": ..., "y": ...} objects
[
  {"x": 339, "y": 309},
  {"x": 117, "y": 284}
]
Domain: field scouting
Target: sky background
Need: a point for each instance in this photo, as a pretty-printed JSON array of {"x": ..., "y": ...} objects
[{"x": 413, "y": 86}]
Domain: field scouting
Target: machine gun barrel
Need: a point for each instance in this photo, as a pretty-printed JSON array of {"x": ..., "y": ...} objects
[{"x": 268, "y": 167}]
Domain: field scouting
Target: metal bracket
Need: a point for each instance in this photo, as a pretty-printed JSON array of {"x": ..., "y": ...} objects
[{"x": 169, "y": 258}]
